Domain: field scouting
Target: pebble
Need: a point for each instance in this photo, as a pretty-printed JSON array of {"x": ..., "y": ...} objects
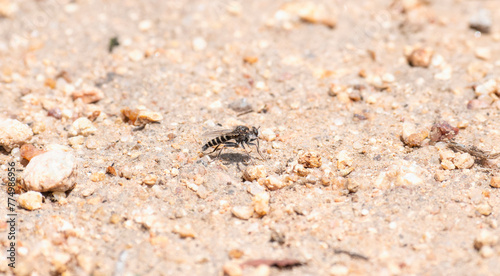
[
  {"x": 261, "y": 203},
  {"x": 464, "y": 161},
  {"x": 51, "y": 171},
  {"x": 352, "y": 185},
  {"x": 484, "y": 209},
  {"x": 268, "y": 134},
  {"x": 141, "y": 116},
  {"x": 254, "y": 173},
  {"x": 486, "y": 88},
  {"x": 28, "y": 151},
  {"x": 88, "y": 96},
  {"x": 76, "y": 141},
  {"x": 232, "y": 269},
  {"x": 30, "y": 200},
  {"x": 483, "y": 53},
  {"x": 150, "y": 179},
  {"x": 310, "y": 159},
  {"x": 185, "y": 231},
  {"x": 339, "y": 270},
  {"x": 97, "y": 176},
  {"x": 242, "y": 212},
  {"x": 481, "y": 21},
  {"x": 495, "y": 182},
  {"x": 344, "y": 160},
  {"x": 199, "y": 44},
  {"x": 145, "y": 25},
  {"x": 486, "y": 252},
  {"x": 274, "y": 183},
  {"x": 136, "y": 55},
  {"x": 311, "y": 12},
  {"x": 447, "y": 164},
  {"x": 82, "y": 126},
  {"x": 328, "y": 177},
  {"x": 300, "y": 170},
  {"x": 440, "y": 176},
  {"x": 420, "y": 57},
  {"x": 416, "y": 139},
  {"x": 14, "y": 134},
  {"x": 411, "y": 179},
  {"x": 485, "y": 238}
]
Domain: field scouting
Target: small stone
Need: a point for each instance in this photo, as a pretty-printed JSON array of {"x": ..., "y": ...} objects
[
  {"x": 145, "y": 25},
  {"x": 141, "y": 116},
  {"x": 254, "y": 173},
  {"x": 274, "y": 183},
  {"x": 242, "y": 212},
  {"x": 60, "y": 197},
  {"x": 483, "y": 53},
  {"x": 447, "y": 164},
  {"x": 98, "y": 177},
  {"x": 261, "y": 203},
  {"x": 328, "y": 177},
  {"x": 51, "y": 171},
  {"x": 38, "y": 127},
  {"x": 339, "y": 270},
  {"x": 232, "y": 269},
  {"x": 199, "y": 44},
  {"x": 136, "y": 55},
  {"x": 344, "y": 160},
  {"x": 486, "y": 88},
  {"x": 352, "y": 185},
  {"x": 88, "y": 96},
  {"x": 416, "y": 139},
  {"x": 14, "y": 134},
  {"x": 440, "y": 175},
  {"x": 485, "y": 238},
  {"x": 30, "y": 200},
  {"x": 76, "y": 142},
  {"x": 495, "y": 182},
  {"x": 236, "y": 253},
  {"x": 420, "y": 57},
  {"x": 311, "y": 12},
  {"x": 82, "y": 126},
  {"x": 463, "y": 161},
  {"x": 174, "y": 172},
  {"x": 59, "y": 261},
  {"x": 115, "y": 218},
  {"x": 268, "y": 134},
  {"x": 150, "y": 179},
  {"x": 310, "y": 159},
  {"x": 300, "y": 170},
  {"x": 250, "y": 59},
  {"x": 28, "y": 151},
  {"x": 481, "y": 21},
  {"x": 484, "y": 209},
  {"x": 185, "y": 231},
  {"x": 411, "y": 179},
  {"x": 486, "y": 252}
]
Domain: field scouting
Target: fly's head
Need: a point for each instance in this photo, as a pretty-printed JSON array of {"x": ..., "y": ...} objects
[{"x": 253, "y": 134}]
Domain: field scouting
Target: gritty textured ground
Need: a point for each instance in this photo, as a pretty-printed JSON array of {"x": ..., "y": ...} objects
[{"x": 346, "y": 90}]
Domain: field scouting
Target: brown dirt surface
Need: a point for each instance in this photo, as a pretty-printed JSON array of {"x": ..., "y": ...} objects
[{"x": 345, "y": 95}]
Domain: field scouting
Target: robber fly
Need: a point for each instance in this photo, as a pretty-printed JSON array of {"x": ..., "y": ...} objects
[{"x": 239, "y": 136}]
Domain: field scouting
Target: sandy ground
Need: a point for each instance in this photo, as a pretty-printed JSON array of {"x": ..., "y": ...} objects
[{"x": 330, "y": 78}]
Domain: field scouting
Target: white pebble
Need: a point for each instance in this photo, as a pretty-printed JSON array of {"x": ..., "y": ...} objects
[
  {"x": 50, "y": 171},
  {"x": 268, "y": 134},
  {"x": 199, "y": 44},
  {"x": 261, "y": 203},
  {"x": 82, "y": 126},
  {"x": 242, "y": 212},
  {"x": 30, "y": 200},
  {"x": 14, "y": 134}
]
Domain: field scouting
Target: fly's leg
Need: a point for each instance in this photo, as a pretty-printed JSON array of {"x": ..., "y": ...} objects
[
  {"x": 216, "y": 148},
  {"x": 257, "y": 147},
  {"x": 242, "y": 143}
]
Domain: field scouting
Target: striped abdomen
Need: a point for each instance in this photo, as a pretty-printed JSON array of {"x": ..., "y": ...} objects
[{"x": 217, "y": 141}]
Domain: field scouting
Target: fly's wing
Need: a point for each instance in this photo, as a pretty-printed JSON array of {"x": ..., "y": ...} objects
[{"x": 216, "y": 133}]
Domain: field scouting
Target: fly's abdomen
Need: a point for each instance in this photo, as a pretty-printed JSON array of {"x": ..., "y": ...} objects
[{"x": 216, "y": 141}]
